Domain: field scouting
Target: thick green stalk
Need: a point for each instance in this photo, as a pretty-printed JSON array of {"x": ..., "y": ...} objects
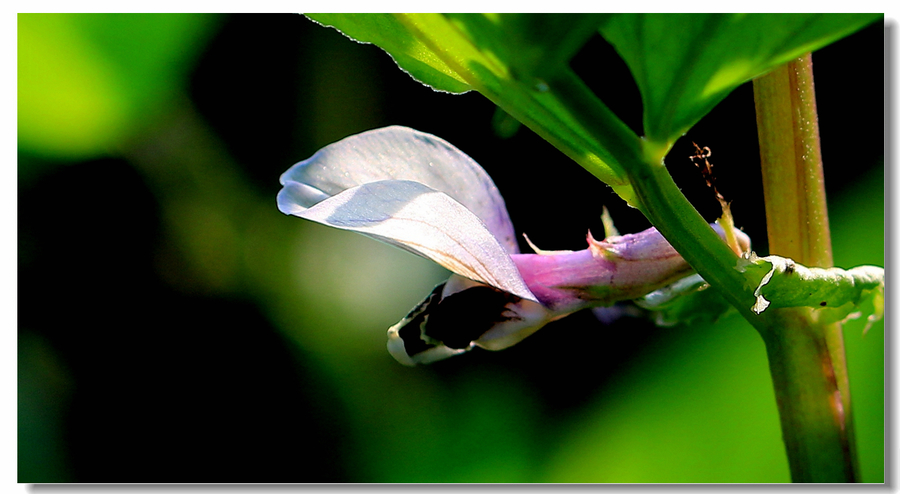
[
  {"x": 814, "y": 424},
  {"x": 807, "y": 359}
]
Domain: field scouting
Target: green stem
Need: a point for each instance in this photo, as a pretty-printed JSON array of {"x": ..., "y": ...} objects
[
  {"x": 806, "y": 359},
  {"x": 677, "y": 219},
  {"x": 659, "y": 198}
]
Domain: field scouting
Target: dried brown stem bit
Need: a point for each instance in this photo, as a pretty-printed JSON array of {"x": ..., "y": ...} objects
[
  {"x": 701, "y": 160},
  {"x": 706, "y": 170}
]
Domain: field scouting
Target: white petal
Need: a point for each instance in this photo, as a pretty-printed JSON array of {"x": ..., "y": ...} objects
[
  {"x": 419, "y": 219},
  {"x": 401, "y": 153}
]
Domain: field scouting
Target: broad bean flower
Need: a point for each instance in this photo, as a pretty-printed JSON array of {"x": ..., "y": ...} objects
[{"x": 418, "y": 192}]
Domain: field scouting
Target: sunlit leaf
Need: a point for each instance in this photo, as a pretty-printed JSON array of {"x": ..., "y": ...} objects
[
  {"x": 506, "y": 59},
  {"x": 391, "y": 35}
]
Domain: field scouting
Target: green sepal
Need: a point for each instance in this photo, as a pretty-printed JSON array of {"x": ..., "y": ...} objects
[{"x": 687, "y": 301}]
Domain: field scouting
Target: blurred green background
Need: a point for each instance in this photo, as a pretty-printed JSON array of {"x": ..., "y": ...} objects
[{"x": 173, "y": 326}]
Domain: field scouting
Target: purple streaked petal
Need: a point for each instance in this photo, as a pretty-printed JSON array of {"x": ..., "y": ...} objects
[
  {"x": 614, "y": 269},
  {"x": 461, "y": 314}
]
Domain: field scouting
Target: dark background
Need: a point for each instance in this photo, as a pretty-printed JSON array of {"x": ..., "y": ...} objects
[{"x": 134, "y": 368}]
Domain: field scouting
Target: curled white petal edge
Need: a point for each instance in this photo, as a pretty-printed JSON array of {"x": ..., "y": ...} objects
[
  {"x": 419, "y": 219},
  {"x": 402, "y": 153}
]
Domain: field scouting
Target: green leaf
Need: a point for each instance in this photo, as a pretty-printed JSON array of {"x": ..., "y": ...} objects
[
  {"x": 834, "y": 293},
  {"x": 521, "y": 68},
  {"x": 533, "y": 46},
  {"x": 410, "y": 53},
  {"x": 684, "y": 64}
]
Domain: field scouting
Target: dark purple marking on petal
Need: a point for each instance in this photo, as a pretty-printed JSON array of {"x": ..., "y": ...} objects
[{"x": 463, "y": 317}]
